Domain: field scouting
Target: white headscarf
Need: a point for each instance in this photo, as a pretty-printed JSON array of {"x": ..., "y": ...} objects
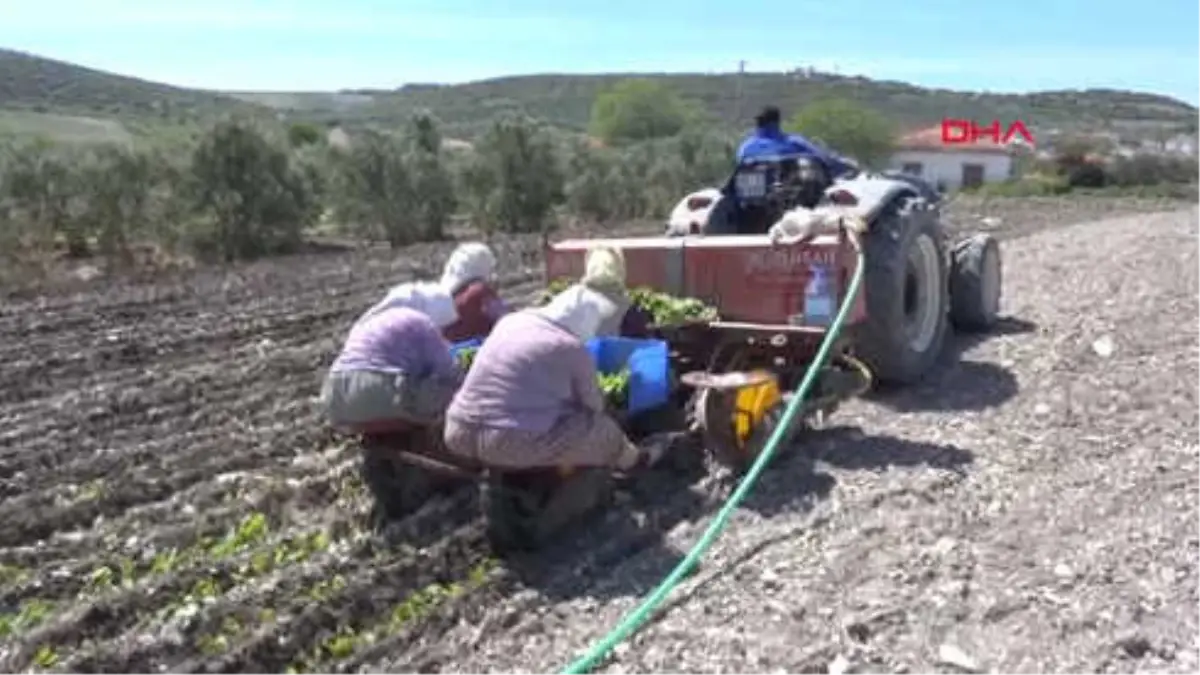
[
  {"x": 604, "y": 270},
  {"x": 579, "y": 310},
  {"x": 604, "y": 273},
  {"x": 426, "y": 297},
  {"x": 473, "y": 261}
]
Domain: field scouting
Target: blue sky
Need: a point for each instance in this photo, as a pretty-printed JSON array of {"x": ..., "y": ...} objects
[{"x": 1013, "y": 45}]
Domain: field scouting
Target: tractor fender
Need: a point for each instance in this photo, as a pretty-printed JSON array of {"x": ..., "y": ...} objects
[
  {"x": 685, "y": 219},
  {"x": 872, "y": 192}
]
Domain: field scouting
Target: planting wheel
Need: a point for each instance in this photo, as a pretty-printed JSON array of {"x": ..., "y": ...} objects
[
  {"x": 975, "y": 281},
  {"x": 757, "y": 442},
  {"x": 906, "y": 293},
  {"x": 716, "y": 413}
]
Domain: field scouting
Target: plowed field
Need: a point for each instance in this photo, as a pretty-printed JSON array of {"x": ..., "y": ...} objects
[{"x": 171, "y": 501}]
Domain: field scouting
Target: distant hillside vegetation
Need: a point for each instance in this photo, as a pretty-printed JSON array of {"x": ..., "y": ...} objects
[
  {"x": 78, "y": 97},
  {"x": 566, "y": 101},
  {"x": 86, "y": 100}
]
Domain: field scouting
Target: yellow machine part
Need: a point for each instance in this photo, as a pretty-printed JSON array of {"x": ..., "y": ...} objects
[{"x": 751, "y": 404}]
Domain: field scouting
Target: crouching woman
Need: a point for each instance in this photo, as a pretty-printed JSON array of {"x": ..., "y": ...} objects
[
  {"x": 531, "y": 399},
  {"x": 604, "y": 273},
  {"x": 392, "y": 382},
  {"x": 395, "y": 371},
  {"x": 469, "y": 276}
]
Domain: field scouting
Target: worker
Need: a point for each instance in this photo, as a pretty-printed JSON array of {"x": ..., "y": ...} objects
[
  {"x": 469, "y": 277},
  {"x": 768, "y": 140},
  {"x": 605, "y": 274},
  {"x": 395, "y": 371},
  {"x": 531, "y": 399}
]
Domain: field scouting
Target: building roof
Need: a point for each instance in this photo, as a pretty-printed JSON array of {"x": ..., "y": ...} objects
[{"x": 930, "y": 140}]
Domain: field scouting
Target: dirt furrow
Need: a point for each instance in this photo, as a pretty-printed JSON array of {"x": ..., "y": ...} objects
[
  {"x": 216, "y": 627},
  {"x": 368, "y": 597}
]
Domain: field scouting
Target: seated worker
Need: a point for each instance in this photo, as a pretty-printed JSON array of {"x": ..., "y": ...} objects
[
  {"x": 768, "y": 140},
  {"x": 531, "y": 399},
  {"x": 605, "y": 273},
  {"x": 469, "y": 277},
  {"x": 395, "y": 371}
]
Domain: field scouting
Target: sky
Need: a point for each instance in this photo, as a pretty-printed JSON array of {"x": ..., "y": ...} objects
[{"x": 310, "y": 45}]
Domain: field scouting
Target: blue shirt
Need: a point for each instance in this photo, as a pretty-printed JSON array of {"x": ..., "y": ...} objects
[{"x": 770, "y": 141}]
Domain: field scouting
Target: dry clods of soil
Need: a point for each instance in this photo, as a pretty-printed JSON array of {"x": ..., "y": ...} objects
[{"x": 172, "y": 501}]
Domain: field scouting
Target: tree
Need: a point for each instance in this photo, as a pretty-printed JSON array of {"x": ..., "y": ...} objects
[
  {"x": 846, "y": 128},
  {"x": 637, "y": 110},
  {"x": 600, "y": 188},
  {"x": 118, "y": 184},
  {"x": 42, "y": 183},
  {"x": 432, "y": 180},
  {"x": 397, "y": 187},
  {"x": 257, "y": 201},
  {"x": 375, "y": 189},
  {"x": 303, "y": 133},
  {"x": 514, "y": 179}
]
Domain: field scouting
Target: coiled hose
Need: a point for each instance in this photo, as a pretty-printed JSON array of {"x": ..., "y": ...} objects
[{"x": 642, "y": 613}]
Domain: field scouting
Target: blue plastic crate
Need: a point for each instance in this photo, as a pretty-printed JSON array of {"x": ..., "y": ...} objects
[
  {"x": 649, "y": 368},
  {"x": 465, "y": 344}
]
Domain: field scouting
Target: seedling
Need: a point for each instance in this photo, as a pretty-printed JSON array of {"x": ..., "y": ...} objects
[{"x": 32, "y": 613}]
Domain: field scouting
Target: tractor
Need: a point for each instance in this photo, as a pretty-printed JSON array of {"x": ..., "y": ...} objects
[{"x": 917, "y": 287}]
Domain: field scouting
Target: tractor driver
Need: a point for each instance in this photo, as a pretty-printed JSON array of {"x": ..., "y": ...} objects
[
  {"x": 806, "y": 168},
  {"x": 768, "y": 140}
]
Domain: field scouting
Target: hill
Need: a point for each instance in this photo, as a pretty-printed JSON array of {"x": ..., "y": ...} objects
[
  {"x": 40, "y": 95},
  {"x": 71, "y": 102},
  {"x": 566, "y": 100}
]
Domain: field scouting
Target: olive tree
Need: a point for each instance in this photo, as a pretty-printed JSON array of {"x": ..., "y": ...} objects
[
  {"x": 638, "y": 109},
  {"x": 42, "y": 188},
  {"x": 118, "y": 184},
  {"x": 255, "y": 199},
  {"x": 514, "y": 180},
  {"x": 847, "y": 128}
]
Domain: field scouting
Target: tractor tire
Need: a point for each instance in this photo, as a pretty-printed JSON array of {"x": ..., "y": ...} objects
[
  {"x": 907, "y": 294},
  {"x": 975, "y": 283},
  {"x": 523, "y": 512}
]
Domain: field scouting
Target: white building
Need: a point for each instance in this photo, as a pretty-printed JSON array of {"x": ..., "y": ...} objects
[
  {"x": 1180, "y": 144},
  {"x": 925, "y": 154}
]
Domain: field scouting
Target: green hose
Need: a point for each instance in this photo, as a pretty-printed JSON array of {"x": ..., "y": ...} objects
[{"x": 641, "y": 614}]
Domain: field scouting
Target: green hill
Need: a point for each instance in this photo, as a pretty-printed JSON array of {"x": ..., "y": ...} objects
[
  {"x": 566, "y": 100},
  {"x": 52, "y": 96},
  {"x": 70, "y": 102}
]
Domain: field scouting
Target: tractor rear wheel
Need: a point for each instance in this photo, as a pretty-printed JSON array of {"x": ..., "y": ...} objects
[
  {"x": 975, "y": 283},
  {"x": 907, "y": 294}
]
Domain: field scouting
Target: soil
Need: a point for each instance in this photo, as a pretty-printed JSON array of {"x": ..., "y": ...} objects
[{"x": 171, "y": 500}]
